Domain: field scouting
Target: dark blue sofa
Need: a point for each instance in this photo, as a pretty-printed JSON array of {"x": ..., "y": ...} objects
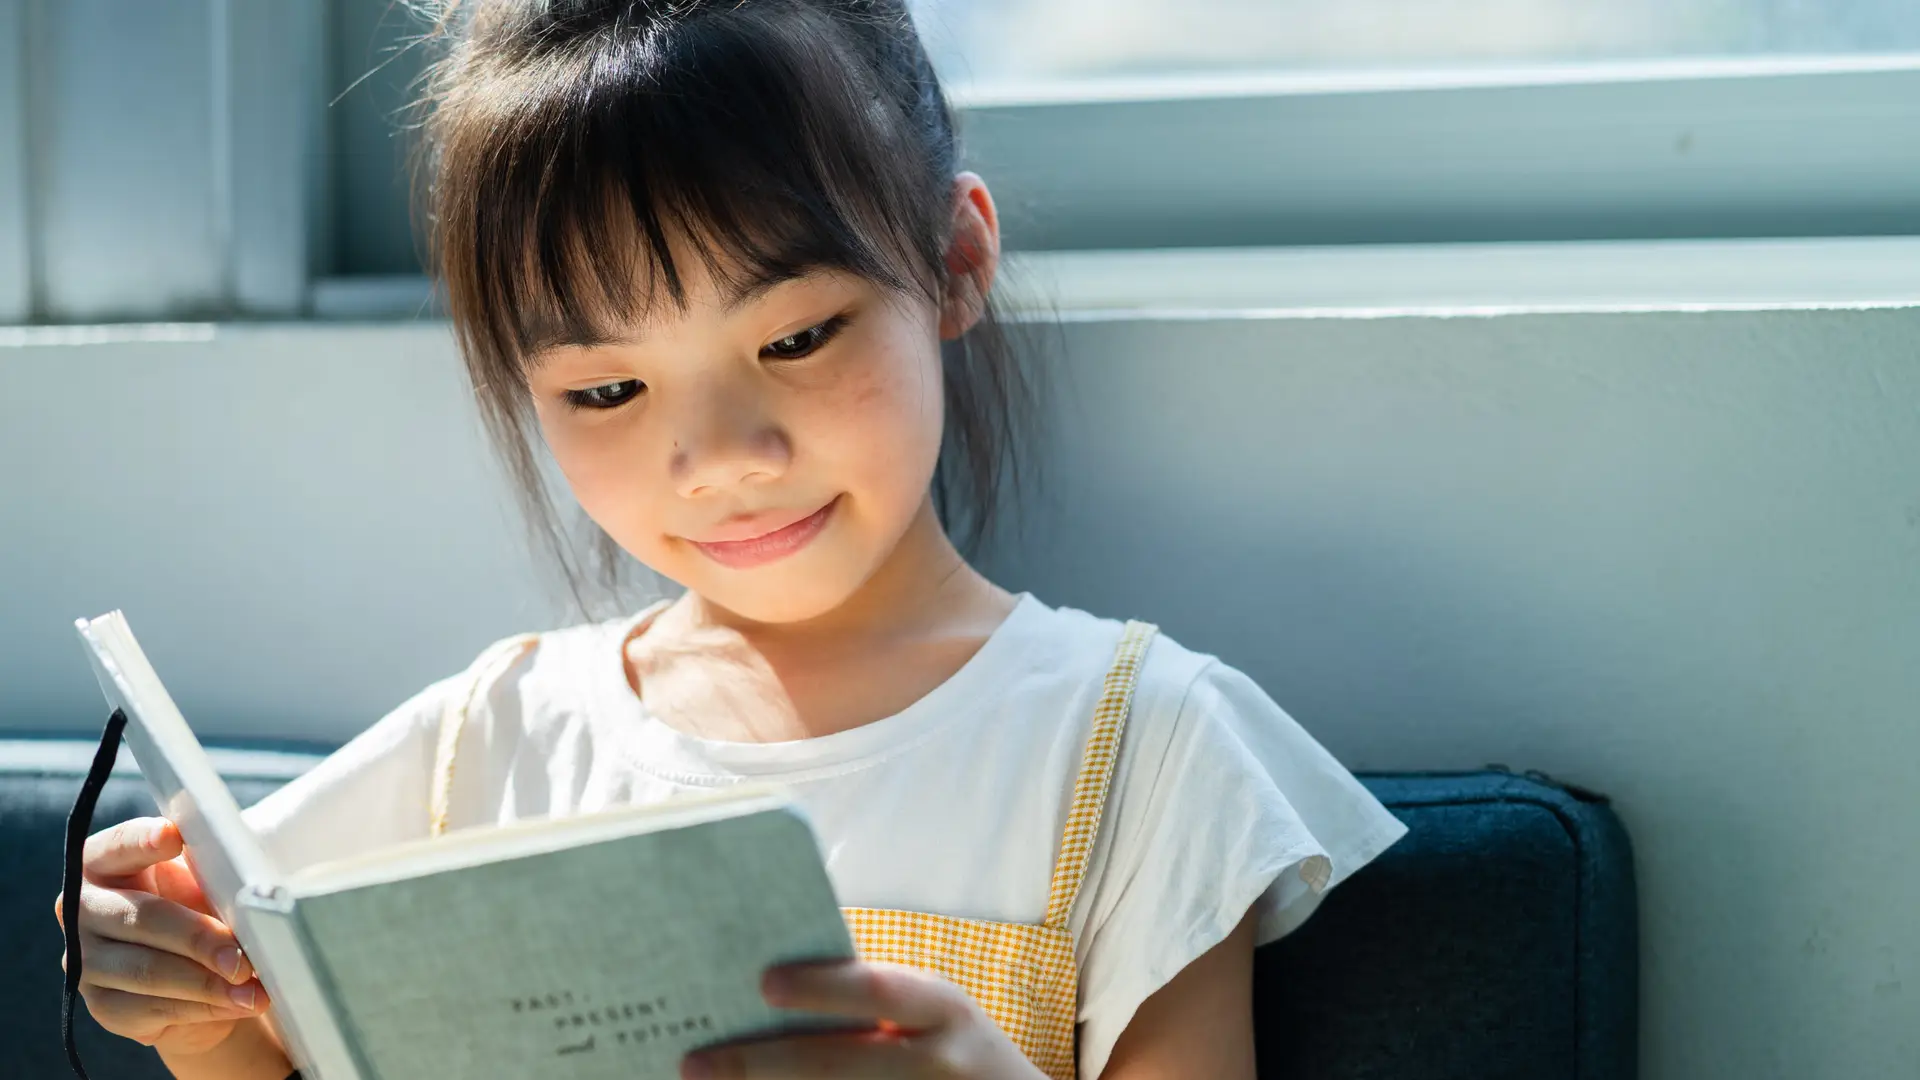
[{"x": 1495, "y": 942}]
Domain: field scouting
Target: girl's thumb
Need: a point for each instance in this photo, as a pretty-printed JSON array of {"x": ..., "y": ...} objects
[{"x": 129, "y": 847}]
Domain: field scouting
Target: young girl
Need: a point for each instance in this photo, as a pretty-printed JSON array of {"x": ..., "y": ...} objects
[{"x": 708, "y": 252}]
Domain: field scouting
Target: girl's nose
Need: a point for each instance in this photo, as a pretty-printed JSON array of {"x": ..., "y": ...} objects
[{"x": 727, "y": 439}]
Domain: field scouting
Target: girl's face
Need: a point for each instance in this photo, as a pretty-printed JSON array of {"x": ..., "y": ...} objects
[{"x": 767, "y": 452}]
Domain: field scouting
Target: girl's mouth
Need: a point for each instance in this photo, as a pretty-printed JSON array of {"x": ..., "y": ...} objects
[{"x": 769, "y": 546}]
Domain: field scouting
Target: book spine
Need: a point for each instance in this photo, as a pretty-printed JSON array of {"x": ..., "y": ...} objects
[{"x": 303, "y": 1010}]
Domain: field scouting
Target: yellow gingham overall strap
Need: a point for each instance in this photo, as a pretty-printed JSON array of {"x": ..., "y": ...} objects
[
  {"x": 488, "y": 668},
  {"x": 1090, "y": 790}
]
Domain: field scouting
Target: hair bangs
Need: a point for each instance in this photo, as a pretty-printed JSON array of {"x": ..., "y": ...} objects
[{"x": 575, "y": 193}]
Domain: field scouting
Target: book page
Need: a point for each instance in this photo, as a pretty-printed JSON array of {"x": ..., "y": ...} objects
[
  {"x": 479, "y": 844},
  {"x": 604, "y": 961}
]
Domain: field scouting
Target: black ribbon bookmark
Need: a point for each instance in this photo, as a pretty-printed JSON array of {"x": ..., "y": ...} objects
[{"x": 79, "y": 826}]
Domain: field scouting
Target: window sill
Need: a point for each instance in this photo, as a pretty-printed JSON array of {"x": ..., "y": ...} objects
[{"x": 1383, "y": 280}]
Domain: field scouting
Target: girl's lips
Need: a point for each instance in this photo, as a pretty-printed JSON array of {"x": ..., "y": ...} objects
[{"x": 768, "y": 547}]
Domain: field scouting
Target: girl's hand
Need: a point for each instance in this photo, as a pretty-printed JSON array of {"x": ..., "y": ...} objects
[
  {"x": 926, "y": 1027},
  {"x": 158, "y": 967}
]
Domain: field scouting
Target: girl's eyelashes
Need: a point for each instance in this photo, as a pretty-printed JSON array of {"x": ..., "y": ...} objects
[
  {"x": 792, "y": 347},
  {"x": 806, "y": 342},
  {"x": 605, "y": 396}
]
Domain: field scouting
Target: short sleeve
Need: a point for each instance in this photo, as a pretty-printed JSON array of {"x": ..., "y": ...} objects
[
  {"x": 1243, "y": 810},
  {"x": 370, "y": 793}
]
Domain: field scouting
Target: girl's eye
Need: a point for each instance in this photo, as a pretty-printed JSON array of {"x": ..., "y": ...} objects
[
  {"x": 608, "y": 396},
  {"x": 795, "y": 346}
]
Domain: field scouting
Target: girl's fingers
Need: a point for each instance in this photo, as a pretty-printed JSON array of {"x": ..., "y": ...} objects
[
  {"x": 128, "y": 848},
  {"x": 909, "y": 998},
  {"x": 808, "y": 1057},
  {"x": 143, "y": 1018},
  {"x": 174, "y": 880},
  {"x": 137, "y": 969},
  {"x": 141, "y": 918}
]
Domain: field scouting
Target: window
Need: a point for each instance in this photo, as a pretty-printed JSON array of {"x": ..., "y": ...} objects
[
  {"x": 998, "y": 41},
  {"x": 263, "y": 168},
  {"x": 1148, "y": 123}
]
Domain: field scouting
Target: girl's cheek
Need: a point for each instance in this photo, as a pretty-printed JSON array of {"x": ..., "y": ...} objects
[
  {"x": 899, "y": 385},
  {"x": 571, "y": 451},
  {"x": 602, "y": 471},
  {"x": 881, "y": 422}
]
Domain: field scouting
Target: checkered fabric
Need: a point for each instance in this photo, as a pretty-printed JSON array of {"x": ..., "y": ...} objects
[{"x": 1024, "y": 976}]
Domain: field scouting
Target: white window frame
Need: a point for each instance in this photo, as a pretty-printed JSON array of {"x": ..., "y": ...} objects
[{"x": 16, "y": 260}]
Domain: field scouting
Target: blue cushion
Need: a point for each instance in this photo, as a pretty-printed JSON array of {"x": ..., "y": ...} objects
[{"x": 1496, "y": 941}]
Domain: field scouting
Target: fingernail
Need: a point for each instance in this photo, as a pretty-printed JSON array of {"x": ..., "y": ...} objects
[
  {"x": 229, "y": 961},
  {"x": 776, "y": 982},
  {"x": 156, "y": 834},
  {"x": 242, "y": 996}
]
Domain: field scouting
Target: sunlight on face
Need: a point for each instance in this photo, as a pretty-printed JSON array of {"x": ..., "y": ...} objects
[{"x": 768, "y": 458}]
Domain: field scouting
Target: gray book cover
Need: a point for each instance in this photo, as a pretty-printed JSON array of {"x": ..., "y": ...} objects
[{"x": 611, "y": 959}]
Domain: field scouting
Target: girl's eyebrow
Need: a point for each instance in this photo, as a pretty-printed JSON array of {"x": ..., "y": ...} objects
[
  {"x": 741, "y": 293},
  {"x": 763, "y": 282}
]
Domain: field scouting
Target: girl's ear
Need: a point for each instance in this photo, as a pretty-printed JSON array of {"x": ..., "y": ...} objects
[{"x": 973, "y": 255}]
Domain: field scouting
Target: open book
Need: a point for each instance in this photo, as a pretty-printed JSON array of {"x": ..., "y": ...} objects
[{"x": 598, "y": 946}]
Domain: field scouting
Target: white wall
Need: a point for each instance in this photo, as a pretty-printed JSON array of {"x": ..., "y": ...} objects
[
  {"x": 1673, "y": 556},
  {"x": 302, "y": 525}
]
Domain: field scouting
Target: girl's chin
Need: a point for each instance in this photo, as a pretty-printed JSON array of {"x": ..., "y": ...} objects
[{"x": 767, "y": 595}]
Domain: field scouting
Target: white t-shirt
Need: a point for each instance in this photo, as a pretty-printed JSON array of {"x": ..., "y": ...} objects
[{"x": 955, "y": 805}]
